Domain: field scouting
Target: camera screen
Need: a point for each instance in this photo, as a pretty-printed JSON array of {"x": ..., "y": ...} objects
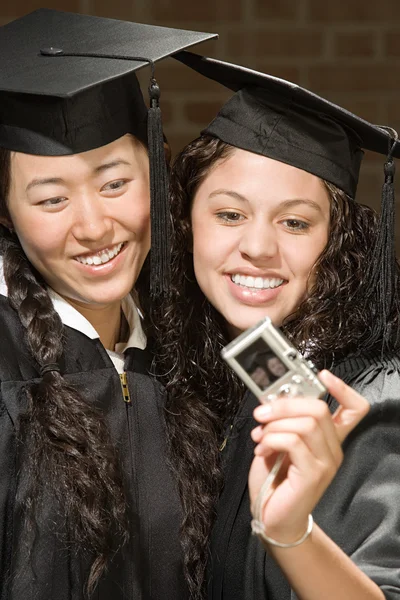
[{"x": 261, "y": 363}]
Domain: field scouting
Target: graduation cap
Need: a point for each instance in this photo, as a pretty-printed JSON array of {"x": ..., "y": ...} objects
[
  {"x": 68, "y": 85},
  {"x": 285, "y": 122}
]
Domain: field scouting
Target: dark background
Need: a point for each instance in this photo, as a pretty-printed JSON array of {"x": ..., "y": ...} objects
[{"x": 346, "y": 50}]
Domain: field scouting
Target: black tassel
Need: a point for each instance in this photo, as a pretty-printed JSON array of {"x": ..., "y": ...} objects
[
  {"x": 382, "y": 277},
  {"x": 159, "y": 200}
]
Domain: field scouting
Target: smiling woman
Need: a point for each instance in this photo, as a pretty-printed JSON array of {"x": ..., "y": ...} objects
[
  {"x": 267, "y": 235},
  {"x": 266, "y": 224},
  {"x": 81, "y": 210},
  {"x": 82, "y": 456}
]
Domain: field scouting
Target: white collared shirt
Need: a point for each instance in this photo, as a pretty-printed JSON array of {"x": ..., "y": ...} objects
[{"x": 74, "y": 319}]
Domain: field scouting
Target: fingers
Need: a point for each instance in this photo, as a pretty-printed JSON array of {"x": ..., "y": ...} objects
[
  {"x": 353, "y": 407},
  {"x": 309, "y": 468},
  {"x": 308, "y": 417},
  {"x": 318, "y": 435}
]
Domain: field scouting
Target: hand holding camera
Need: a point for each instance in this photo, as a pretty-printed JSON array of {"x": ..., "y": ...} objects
[{"x": 298, "y": 449}]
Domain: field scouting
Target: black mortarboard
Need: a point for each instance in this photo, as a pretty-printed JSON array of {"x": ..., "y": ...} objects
[
  {"x": 280, "y": 120},
  {"x": 68, "y": 85}
]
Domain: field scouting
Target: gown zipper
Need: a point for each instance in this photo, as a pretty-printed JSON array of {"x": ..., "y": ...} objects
[{"x": 124, "y": 387}]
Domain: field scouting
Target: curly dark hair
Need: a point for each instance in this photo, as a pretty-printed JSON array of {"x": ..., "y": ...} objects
[
  {"x": 203, "y": 394},
  {"x": 65, "y": 442}
]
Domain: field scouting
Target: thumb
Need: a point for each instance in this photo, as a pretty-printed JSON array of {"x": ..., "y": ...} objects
[{"x": 353, "y": 407}]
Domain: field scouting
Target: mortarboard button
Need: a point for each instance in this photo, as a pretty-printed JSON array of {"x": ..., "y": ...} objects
[{"x": 51, "y": 51}]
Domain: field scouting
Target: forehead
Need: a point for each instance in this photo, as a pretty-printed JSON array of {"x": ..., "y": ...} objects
[
  {"x": 127, "y": 148},
  {"x": 256, "y": 176}
]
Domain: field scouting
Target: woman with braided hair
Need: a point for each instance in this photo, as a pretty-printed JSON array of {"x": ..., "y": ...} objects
[
  {"x": 265, "y": 224},
  {"x": 82, "y": 457}
]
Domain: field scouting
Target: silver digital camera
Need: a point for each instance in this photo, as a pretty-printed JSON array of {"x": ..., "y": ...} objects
[{"x": 270, "y": 366}]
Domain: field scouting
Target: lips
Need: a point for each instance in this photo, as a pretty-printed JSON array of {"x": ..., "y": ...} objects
[{"x": 101, "y": 257}]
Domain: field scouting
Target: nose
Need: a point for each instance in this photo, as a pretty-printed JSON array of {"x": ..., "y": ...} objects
[
  {"x": 91, "y": 219},
  {"x": 258, "y": 241}
]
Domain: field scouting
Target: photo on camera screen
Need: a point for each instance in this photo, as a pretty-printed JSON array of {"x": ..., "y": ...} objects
[{"x": 261, "y": 364}]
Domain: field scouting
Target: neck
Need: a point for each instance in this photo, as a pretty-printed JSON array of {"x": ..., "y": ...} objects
[{"x": 105, "y": 319}]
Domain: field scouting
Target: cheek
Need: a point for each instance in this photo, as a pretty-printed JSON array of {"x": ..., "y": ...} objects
[
  {"x": 39, "y": 236},
  {"x": 307, "y": 258},
  {"x": 135, "y": 214}
]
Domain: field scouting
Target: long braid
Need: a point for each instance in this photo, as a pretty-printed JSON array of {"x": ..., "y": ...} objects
[{"x": 69, "y": 446}]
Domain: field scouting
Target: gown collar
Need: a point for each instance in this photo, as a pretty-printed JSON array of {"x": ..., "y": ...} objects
[{"x": 74, "y": 319}]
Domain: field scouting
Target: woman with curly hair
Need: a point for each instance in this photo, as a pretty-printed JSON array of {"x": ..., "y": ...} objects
[
  {"x": 265, "y": 223},
  {"x": 82, "y": 457}
]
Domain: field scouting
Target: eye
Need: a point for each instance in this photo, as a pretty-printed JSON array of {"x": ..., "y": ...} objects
[
  {"x": 114, "y": 185},
  {"x": 230, "y": 216},
  {"x": 296, "y": 225},
  {"x": 53, "y": 202}
]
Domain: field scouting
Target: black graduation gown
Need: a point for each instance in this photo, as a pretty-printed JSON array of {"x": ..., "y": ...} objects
[
  {"x": 149, "y": 568},
  {"x": 360, "y": 510}
]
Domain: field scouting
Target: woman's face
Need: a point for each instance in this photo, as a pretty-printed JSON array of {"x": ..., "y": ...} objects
[
  {"x": 84, "y": 220},
  {"x": 259, "y": 226}
]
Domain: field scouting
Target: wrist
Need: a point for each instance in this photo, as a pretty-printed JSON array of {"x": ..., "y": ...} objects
[{"x": 258, "y": 528}]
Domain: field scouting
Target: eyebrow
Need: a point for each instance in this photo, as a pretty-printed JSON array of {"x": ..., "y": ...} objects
[
  {"x": 59, "y": 181},
  {"x": 283, "y": 205},
  {"x": 113, "y": 163}
]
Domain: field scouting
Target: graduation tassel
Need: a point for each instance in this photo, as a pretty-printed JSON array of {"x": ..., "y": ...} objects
[
  {"x": 383, "y": 278},
  {"x": 159, "y": 200}
]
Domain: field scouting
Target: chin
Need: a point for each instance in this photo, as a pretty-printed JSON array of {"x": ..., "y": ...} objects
[
  {"x": 237, "y": 326},
  {"x": 101, "y": 297}
]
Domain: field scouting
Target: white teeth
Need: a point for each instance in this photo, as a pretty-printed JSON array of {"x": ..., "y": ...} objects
[
  {"x": 100, "y": 259},
  {"x": 258, "y": 283}
]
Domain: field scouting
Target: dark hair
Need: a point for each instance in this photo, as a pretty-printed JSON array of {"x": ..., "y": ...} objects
[
  {"x": 64, "y": 440},
  {"x": 203, "y": 394}
]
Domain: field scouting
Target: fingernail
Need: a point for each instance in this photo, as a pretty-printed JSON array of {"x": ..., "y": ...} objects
[
  {"x": 263, "y": 411},
  {"x": 326, "y": 376}
]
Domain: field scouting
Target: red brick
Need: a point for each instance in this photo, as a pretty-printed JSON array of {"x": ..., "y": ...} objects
[
  {"x": 288, "y": 72},
  {"x": 167, "y": 110},
  {"x": 201, "y": 113},
  {"x": 392, "y": 43},
  {"x": 360, "y": 44},
  {"x": 291, "y": 44},
  {"x": 379, "y": 78},
  {"x": 370, "y": 186},
  {"x": 393, "y": 114},
  {"x": 174, "y": 77},
  {"x": 286, "y": 10},
  {"x": 18, "y": 8},
  {"x": 117, "y": 9},
  {"x": 359, "y": 11},
  {"x": 366, "y": 109},
  {"x": 177, "y": 141},
  {"x": 205, "y": 11}
]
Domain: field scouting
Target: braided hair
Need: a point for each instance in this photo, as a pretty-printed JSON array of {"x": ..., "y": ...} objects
[{"x": 68, "y": 446}]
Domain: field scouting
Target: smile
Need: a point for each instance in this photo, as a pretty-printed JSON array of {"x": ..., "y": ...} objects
[
  {"x": 101, "y": 257},
  {"x": 258, "y": 283}
]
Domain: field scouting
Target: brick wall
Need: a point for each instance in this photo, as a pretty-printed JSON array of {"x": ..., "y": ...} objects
[{"x": 347, "y": 50}]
